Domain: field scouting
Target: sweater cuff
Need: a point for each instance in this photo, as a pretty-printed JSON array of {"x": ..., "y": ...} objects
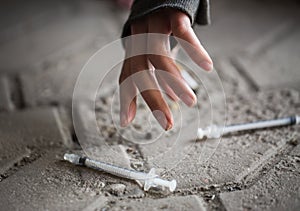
[
  {"x": 203, "y": 13},
  {"x": 197, "y": 10}
]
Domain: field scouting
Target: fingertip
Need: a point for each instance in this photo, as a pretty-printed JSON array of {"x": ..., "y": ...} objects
[
  {"x": 169, "y": 126},
  {"x": 123, "y": 119},
  {"x": 188, "y": 100},
  {"x": 127, "y": 115},
  {"x": 165, "y": 121},
  {"x": 131, "y": 112},
  {"x": 208, "y": 66},
  {"x": 170, "y": 122}
]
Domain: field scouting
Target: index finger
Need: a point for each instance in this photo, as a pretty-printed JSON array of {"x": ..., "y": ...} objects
[{"x": 181, "y": 28}]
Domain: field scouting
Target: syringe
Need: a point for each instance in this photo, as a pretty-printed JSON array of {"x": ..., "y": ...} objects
[
  {"x": 215, "y": 131},
  {"x": 149, "y": 179}
]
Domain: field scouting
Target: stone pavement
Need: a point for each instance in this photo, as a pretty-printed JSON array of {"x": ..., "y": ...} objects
[{"x": 44, "y": 45}]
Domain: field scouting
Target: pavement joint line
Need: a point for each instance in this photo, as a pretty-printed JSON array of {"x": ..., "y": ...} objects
[
  {"x": 259, "y": 169},
  {"x": 6, "y": 103},
  {"x": 239, "y": 66},
  {"x": 31, "y": 157},
  {"x": 186, "y": 192},
  {"x": 212, "y": 189},
  {"x": 12, "y": 164},
  {"x": 244, "y": 182},
  {"x": 66, "y": 138},
  {"x": 143, "y": 160},
  {"x": 285, "y": 169}
]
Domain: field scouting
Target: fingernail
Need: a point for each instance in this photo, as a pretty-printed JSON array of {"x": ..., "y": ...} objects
[
  {"x": 206, "y": 65},
  {"x": 123, "y": 119},
  {"x": 131, "y": 112},
  {"x": 188, "y": 100},
  {"x": 162, "y": 120},
  {"x": 126, "y": 118}
]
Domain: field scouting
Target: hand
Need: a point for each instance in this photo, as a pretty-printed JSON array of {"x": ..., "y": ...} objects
[{"x": 164, "y": 21}]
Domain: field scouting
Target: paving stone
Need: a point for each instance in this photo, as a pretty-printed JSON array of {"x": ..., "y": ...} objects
[
  {"x": 53, "y": 82},
  {"x": 52, "y": 79},
  {"x": 172, "y": 203},
  {"x": 24, "y": 132},
  {"x": 50, "y": 55},
  {"x": 92, "y": 142},
  {"x": 6, "y": 103},
  {"x": 277, "y": 190},
  {"x": 52, "y": 184},
  {"x": 234, "y": 27},
  {"x": 279, "y": 60},
  {"x": 83, "y": 20},
  {"x": 231, "y": 159}
]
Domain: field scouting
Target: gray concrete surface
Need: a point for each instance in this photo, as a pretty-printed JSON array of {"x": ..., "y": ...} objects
[
  {"x": 25, "y": 132},
  {"x": 172, "y": 203},
  {"x": 274, "y": 191},
  {"x": 43, "y": 47}
]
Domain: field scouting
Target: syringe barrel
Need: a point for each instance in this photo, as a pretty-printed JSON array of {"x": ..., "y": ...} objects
[
  {"x": 118, "y": 171},
  {"x": 260, "y": 125}
]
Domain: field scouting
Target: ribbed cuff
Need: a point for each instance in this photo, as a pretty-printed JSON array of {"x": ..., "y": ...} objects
[
  {"x": 197, "y": 10},
  {"x": 203, "y": 13}
]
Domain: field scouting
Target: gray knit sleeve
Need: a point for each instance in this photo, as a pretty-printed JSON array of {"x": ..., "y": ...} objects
[{"x": 197, "y": 10}]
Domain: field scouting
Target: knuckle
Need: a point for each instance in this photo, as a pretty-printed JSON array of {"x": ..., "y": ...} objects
[
  {"x": 181, "y": 25},
  {"x": 138, "y": 68},
  {"x": 139, "y": 64},
  {"x": 153, "y": 57},
  {"x": 157, "y": 59}
]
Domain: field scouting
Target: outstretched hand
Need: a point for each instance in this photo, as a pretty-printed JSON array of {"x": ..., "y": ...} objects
[{"x": 163, "y": 21}]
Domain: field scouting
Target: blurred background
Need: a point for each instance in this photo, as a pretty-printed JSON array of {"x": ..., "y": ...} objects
[
  {"x": 255, "y": 46},
  {"x": 44, "y": 44}
]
